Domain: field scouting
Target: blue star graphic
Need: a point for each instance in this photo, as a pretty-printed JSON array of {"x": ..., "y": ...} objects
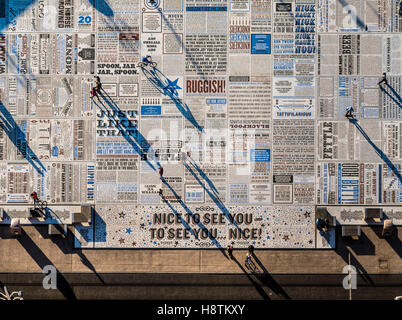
[
  {"x": 128, "y": 230},
  {"x": 172, "y": 85}
]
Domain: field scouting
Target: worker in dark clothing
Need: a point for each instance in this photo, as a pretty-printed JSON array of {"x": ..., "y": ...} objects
[
  {"x": 383, "y": 79},
  {"x": 98, "y": 84},
  {"x": 321, "y": 225}
]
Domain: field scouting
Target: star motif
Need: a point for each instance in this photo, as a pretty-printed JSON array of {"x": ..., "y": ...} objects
[
  {"x": 310, "y": 241},
  {"x": 128, "y": 230},
  {"x": 122, "y": 214},
  {"x": 134, "y": 244},
  {"x": 173, "y": 84},
  {"x": 121, "y": 240},
  {"x": 286, "y": 237},
  {"x": 307, "y": 214}
]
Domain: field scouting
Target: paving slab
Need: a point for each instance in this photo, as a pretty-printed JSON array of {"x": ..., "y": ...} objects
[{"x": 31, "y": 252}]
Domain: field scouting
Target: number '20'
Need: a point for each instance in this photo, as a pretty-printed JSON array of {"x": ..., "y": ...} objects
[{"x": 86, "y": 19}]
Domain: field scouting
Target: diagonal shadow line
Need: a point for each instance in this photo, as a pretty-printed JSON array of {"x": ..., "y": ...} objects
[
  {"x": 393, "y": 239},
  {"x": 42, "y": 260},
  {"x": 374, "y": 11},
  {"x": 139, "y": 138},
  {"x": 90, "y": 266},
  {"x": 51, "y": 214},
  {"x": 360, "y": 269},
  {"x": 188, "y": 54},
  {"x": 15, "y": 12},
  {"x": 5, "y": 125},
  {"x": 217, "y": 201},
  {"x": 185, "y": 111},
  {"x": 205, "y": 177},
  {"x": 200, "y": 224},
  {"x": 100, "y": 5},
  {"x": 116, "y": 123},
  {"x": 17, "y": 137},
  {"x": 399, "y": 103},
  {"x": 259, "y": 289},
  {"x": 158, "y": 83},
  {"x": 395, "y": 93},
  {"x": 18, "y": 76},
  {"x": 98, "y": 231},
  {"x": 360, "y": 22},
  {"x": 103, "y": 7},
  {"x": 61, "y": 244},
  {"x": 186, "y": 225},
  {"x": 395, "y": 243},
  {"x": 343, "y": 251},
  {"x": 113, "y": 105},
  {"x": 127, "y": 136},
  {"x": 316, "y": 17},
  {"x": 13, "y": 131},
  {"x": 380, "y": 153},
  {"x": 267, "y": 279}
]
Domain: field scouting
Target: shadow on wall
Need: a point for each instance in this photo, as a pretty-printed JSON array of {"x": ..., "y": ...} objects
[
  {"x": 190, "y": 213},
  {"x": 132, "y": 135},
  {"x": 9, "y": 15},
  {"x": 169, "y": 89},
  {"x": 396, "y": 98},
  {"x": 42, "y": 260},
  {"x": 380, "y": 153},
  {"x": 213, "y": 196},
  {"x": 346, "y": 249},
  {"x": 186, "y": 51},
  {"x": 18, "y": 138}
]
